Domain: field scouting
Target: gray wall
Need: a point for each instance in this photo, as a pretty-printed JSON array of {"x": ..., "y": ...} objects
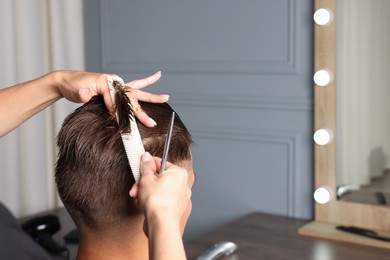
[{"x": 239, "y": 75}]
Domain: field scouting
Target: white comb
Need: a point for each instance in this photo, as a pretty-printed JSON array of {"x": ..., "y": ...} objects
[{"x": 132, "y": 142}]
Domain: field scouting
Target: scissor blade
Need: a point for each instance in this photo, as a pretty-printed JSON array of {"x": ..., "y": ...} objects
[{"x": 167, "y": 143}]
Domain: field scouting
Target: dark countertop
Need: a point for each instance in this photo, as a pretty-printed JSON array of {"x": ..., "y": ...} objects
[{"x": 269, "y": 237}]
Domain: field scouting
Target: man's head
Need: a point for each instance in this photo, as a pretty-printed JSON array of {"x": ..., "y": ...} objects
[{"x": 93, "y": 175}]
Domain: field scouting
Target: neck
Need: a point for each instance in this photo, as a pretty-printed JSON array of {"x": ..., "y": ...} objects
[{"x": 125, "y": 241}]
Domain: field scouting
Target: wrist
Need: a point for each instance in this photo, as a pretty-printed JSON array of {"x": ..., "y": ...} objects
[
  {"x": 44, "y": 90},
  {"x": 165, "y": 236},
  {"x": 162, "y": 220},
  {"x": 56, "y": 79}
]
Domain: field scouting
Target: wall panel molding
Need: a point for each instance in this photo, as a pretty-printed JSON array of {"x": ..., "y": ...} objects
[
  {"x": 288, "y": 139},
  {"x": 286, "y": 66},
  {"x": 243, "y": 102}
]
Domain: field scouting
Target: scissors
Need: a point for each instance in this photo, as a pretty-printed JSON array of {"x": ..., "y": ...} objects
[{"x": 167, "y": 143}]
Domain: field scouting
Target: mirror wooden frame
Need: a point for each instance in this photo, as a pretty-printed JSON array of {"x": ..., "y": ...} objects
[{"x": 335, "y": 212}]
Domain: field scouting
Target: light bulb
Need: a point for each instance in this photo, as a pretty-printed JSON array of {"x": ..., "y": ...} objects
[
  {"x": 322, "y": 136},
  {"x": 322, "y": 195},
  {"x": 322, "y": 77},
  {"x": 323, "y": 16}
]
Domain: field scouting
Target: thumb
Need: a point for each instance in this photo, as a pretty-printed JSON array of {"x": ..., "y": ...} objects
[
  {"x": 148, "y": 165},
  {"x": 134, "y": 191}
]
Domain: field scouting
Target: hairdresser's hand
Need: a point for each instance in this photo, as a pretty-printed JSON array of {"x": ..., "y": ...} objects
[
  {"x": 20, "y": 102},
  {"x": 166, "y": 193},
  {"x": 165, "y": 200},
  {"x": 78, "y": 86}
]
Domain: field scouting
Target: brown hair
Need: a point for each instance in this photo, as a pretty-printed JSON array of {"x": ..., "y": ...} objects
[{"x": 92, "y": 173}]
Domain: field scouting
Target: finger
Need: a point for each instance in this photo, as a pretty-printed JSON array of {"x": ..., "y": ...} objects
[
  {"x": 142, "y": 83},
  {"x": 134, "y": 191},
  {"x": 108, "y": 101},
  {"x": 181, "y": 174},
  {"x": 85, "y": 95},
  {"x": 140, "y": 114},
  {"x": 157, "y": 161},
  {"x": 168, "y": 167},
  {"x": 101, "y": 87},
  {"x": 145, "y": 119},
  {"x": 148, "y": 165},
  {"x": 148, "y": 97}
]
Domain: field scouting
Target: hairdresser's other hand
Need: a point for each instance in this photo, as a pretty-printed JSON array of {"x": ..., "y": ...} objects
[
  {"x": 166, "y": 193},
  {"x": 20, "y": 102},
  {"x": 165, "y": 200},
  {"x": 78, "y": 86}
]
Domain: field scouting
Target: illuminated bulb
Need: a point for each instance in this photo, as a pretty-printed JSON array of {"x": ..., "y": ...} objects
[
  {"x": 322, "y": 195},
  {"x": 322, "y": 77},
  {"x": 322, "y": 16},
  {"x": 322, "y": 136}
]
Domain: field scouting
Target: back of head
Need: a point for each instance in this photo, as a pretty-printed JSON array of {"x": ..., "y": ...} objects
[{"x": 92, "y": 173}]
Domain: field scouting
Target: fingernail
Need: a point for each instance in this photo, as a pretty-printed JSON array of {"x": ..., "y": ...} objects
[
  {"x": 152, "y": 122},
  {"x": 146, "y": 157},
  {"x": 166, "y": 97}
]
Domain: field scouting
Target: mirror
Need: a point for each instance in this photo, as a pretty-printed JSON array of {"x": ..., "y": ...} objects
[
  {"x": 332, "y": 212},
  {"x": 362, "y": 105}
]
